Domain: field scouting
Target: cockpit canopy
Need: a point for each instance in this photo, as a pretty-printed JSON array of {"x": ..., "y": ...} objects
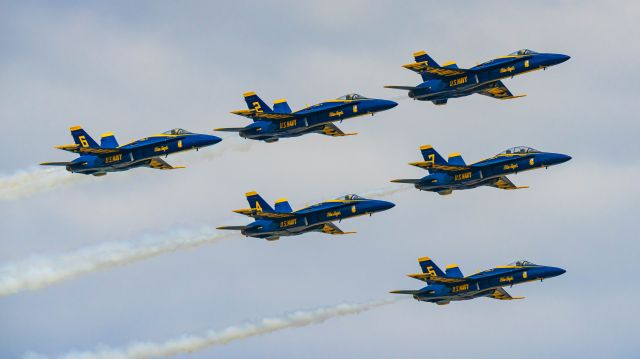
[
  {"x": 523, "y": 52},
  {"x": 352, "y": 96},
  {"x": 518, "y": 150},
  {"x": 522, "y": 263},
  {"x": 176, "y": 131},
  {"x": 350, "y": 197}
]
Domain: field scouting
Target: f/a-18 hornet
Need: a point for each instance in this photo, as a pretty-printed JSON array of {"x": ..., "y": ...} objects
[
  {"x": 441, "y": 83},
  {"x": 454, "y": 174},
  {"x": 108, "y": 156},
  {"x": 270, "y": 125},
  {"x": 451, "y": 285},
  {"x": 272, "y": 223}
]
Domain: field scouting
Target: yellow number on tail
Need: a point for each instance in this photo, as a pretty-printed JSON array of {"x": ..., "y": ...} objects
[
  {"x": 431, "y": 271},
  {"x": 258, "y": 208},
  {"x": 257, "y": 107},
  {"x": 431, "y": 159},
  {"x": 83, "y": 141}
]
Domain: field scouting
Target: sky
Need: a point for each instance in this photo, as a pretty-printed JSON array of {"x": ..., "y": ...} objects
[{"x": 137, "y": 68}]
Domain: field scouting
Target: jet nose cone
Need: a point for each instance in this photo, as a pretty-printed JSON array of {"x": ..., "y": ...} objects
[
  {"x": 554, "y": 272},
  {"x": 384, "y": 205},
  {"x": 563, "y": 58},
  {"x": 383, "y": 105},
  {"x": 208, "y": 140},
  {"x": 560, "y": 158},
  {"x": 554, "y": 59}
]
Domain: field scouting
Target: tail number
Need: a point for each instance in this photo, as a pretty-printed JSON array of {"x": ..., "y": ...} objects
[
  {"x": 431, "y": 271},
  {"x": 257, "y": 107},
  {"x": 83, "y": 141}
]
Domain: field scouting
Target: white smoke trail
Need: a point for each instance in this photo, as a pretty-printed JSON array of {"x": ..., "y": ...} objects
[
  {"x": 385, "y": 191},
  {"x": 32, "y": 181},
  {"x": 188, "y": 343},
  {"x": 26, "y": 183},
  {"x": 41, "y": 271}
]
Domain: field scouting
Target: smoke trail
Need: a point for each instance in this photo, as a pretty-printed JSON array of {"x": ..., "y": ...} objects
[
  {"x": 26, "y": 183},
  {"x": 41, "y": 271},
  {"x": 384, "y": 192},
  {"x": 188, "y": 343}
]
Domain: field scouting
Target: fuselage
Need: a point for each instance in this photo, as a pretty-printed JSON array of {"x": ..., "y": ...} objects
[
  {"x": 488, "y": 171},
  {"x": 313, "y": 218},
  {"x": 140, "y": 152},
  {"x": 483, "y": 76},
  {"x": 312, "y": 118},
  {"x": 485, "y": 283}
]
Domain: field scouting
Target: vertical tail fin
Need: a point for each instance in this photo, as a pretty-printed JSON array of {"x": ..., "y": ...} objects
[
  {"x": 281, "y": 106},
  {"x": 452, "y": 270},
  {"x": 108, "y": 140},
  {"x": 430, "y": 155},
  {"x": 429, "y": 267},
  {"x": 283, "y": 206},
  {"x": 255, "y": 103},
  {"x": 257, "y": 203},
  {"x": 421, "y": 56},
  {"x": 456, "y": 159},
  {"x": 82, "y": 138}
]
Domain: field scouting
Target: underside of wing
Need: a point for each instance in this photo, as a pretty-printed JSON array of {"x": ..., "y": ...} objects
[
  {"x": 75, "y": 148},
  {"x": 332, "y": 130},
  {"x": 502, "y": 294},
  {"x": 426, "y": 277},
  {"x": 500, "y": 91},
  {"x": 436, "y": 71},
  {"x": 504, "y": 183},
  {"x": 330, "y": 228},
  {"x": 160, "y": 164},
  {"x": 430, "y": 165},
  {"x": 261, "y": 115}
]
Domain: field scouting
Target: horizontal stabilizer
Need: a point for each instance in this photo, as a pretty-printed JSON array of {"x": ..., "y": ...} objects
[
  {"x": 407, "y": 88},
  {"x": 233, "y": 228},
  {"x": 229, "y": 129},
  {"x": 426, "y": 277},
  {"x": 75, "y": 148},
  {"x": 410, "y": 292},
  {"x": 57, "y": 163},
  {"x": 413, "y": 181}
]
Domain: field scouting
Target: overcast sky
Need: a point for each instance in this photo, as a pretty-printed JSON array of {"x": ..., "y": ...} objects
[{"x": 137, "y": 68}]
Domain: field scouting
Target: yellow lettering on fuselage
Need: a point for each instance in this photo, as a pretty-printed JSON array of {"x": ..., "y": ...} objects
[
  {"x": 287, "y": 124},
  {"x": 462, "y": 176},
  {"x": 114, "y": 158},
  {"x": 333, "y": 214},
  {"x": 161, "y": 149},
  {"x": 336, "y": 114},
  {"x": 507, "y": 69},
  {"x": 512, "y": 166},
  {"x": 458, "y": 81},
  {"x": 288, "y": 222},
  {"x": 506, "y": 279},
  {"x": 459, "y": 288}
]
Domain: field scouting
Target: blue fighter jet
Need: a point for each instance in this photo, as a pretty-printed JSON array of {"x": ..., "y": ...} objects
[
  {"x": 97, "y": 159},
  {"x": 270, "y": 125},
  {"x": 455, "y": 174},
  {"x": 451, "y": 285},
  {"x": 272, "y": 223},
  {"x": 441, "y": 83}
]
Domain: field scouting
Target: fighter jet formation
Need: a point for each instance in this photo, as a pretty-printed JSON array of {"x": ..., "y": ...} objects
[{"x": 270, "y": 124}]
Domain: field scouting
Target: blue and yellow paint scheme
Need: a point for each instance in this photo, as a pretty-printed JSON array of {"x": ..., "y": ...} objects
[
  {"x": 273, "y": 223},
  {"x": 451, "y": 285},
  {"x": 442, "y": 82},
  {"x": 454, "y": 174},
  {"x": 270, "y": 125},
  {"x": 108, "y": 156}
]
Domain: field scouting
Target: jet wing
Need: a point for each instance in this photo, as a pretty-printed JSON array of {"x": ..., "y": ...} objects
[
  {"x": 500, "y": 91},
  {"x": 260, "y": 215},
  {"x": 502, "y": 294},
  {"x": 75, "y": 148},
  {"x": 160, "y": 164},
  {"x": 261, "y": 115},
  {"x": 428, "y": 165},
  {"x": 504, "y": 183},
  {"x": 57, "y": 163},
  {"x": 436, "y": 71},
  {"x": 412, "y": 292},
  {"x": 330, "y": 228},
  {"x": 426, "y": 277},
  {"x": 332, "y": 130}
]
